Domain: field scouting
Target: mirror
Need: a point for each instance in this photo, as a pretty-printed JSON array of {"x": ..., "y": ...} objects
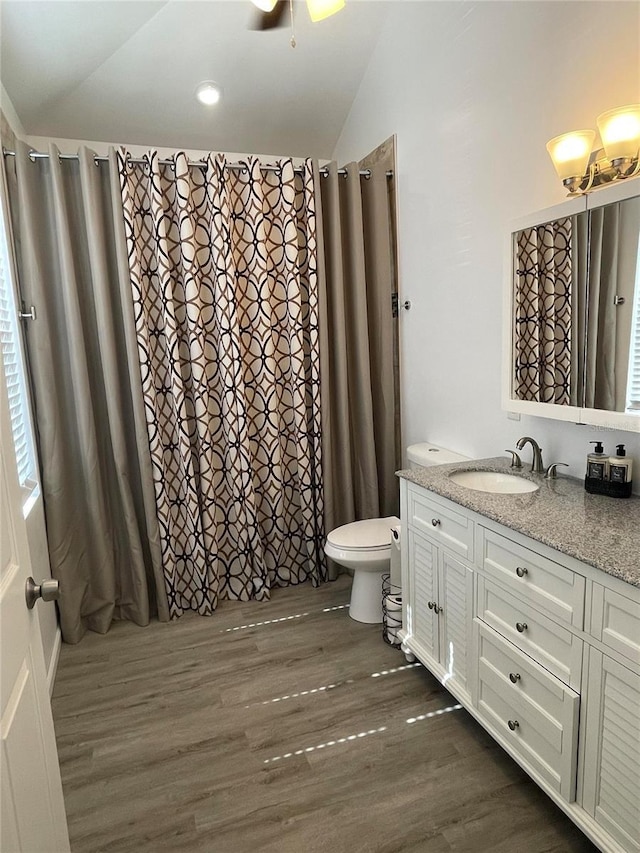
[{"x": 575, "y": 312}]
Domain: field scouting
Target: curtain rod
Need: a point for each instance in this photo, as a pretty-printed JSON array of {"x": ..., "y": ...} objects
[{"x": 98, "y": 158}]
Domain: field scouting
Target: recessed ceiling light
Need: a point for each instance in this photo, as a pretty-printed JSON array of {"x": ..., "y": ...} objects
[{"x": 208, "y": 93}]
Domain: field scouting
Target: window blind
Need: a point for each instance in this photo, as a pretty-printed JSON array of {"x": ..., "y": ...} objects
[
  {"x": 14, "y": 368},
  {"x": 633, "y": 385}
]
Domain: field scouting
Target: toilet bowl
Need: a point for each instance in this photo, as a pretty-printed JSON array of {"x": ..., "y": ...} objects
[{"x": 364, "y": 547}]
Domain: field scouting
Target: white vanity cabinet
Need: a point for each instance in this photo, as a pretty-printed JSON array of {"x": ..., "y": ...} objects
[{"x": 543, "y": 650}]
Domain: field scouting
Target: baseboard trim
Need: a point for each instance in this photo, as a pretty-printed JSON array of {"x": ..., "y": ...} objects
[{"x": 53, "y": 662}]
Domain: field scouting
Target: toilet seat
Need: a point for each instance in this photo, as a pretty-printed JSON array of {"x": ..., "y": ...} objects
[{"x": 371, "y": 535}]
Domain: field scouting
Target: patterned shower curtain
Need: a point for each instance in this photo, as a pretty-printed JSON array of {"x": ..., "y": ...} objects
[
  {"x": 543, "y": 313},
  {"x": 223, "y": 271}
]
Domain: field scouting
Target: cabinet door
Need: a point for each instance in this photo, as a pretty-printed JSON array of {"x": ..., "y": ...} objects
[
  {"x": 455, "y": 596},
  {"x": 423, "y": 620},
  {"x": 611, "y": 787}
]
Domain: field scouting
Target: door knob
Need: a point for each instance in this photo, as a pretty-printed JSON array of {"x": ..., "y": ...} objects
[
  {"x": 47, "y": 590},
  {"x": 521, "y": 627},
  {"x": 513, "y": 724}
]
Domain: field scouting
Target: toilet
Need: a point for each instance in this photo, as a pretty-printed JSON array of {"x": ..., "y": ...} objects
[{"x": 365, "y": 546}]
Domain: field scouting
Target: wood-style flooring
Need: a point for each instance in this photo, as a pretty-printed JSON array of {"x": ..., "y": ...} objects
[{"x": 283, "y": 727}]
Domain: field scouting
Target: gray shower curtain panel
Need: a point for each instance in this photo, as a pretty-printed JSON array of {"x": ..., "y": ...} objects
[
  {"x": 358, "y": 347},
  {"x": 95, "y": 465}
]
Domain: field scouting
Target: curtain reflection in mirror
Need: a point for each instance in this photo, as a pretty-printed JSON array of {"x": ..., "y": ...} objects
[{"x": 543, "y": 313}]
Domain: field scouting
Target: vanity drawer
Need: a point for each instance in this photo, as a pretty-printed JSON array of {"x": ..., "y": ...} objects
[
  {"x": 615, "y": 621},
  {"x": 552, "y": 645},
  {"x": 537, "y": 715},
  {"x": 438, "y": 519},
  {"x": 545, "y": 584}
]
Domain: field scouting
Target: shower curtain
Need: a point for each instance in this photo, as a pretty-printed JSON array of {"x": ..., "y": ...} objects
[
  {"x": 85, "y": 380},
  {"x": 361, "y": 427},
  {"x": 186, "y": 317},
  {"x": 225, "y": 288}
]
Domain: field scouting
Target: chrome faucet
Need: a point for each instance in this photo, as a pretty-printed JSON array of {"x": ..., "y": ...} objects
[{"x": 537, "y": 466}]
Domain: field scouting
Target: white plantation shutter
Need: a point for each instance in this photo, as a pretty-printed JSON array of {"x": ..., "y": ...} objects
[
  {"x": 14, "y": 367},
  {"x": 633, "y": 385}
]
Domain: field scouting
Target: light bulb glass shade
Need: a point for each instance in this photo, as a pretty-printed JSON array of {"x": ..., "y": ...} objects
[
  {"x": 208, "y": 93},
  {"x": 320, "y": 9},
  {"x": 570, "y": 152},
  {"x": 620, "y": 131},
  {"x": 265, "y": 5}
]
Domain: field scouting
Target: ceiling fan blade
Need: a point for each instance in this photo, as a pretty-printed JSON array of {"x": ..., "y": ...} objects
[{"x": 273, "y": 19}]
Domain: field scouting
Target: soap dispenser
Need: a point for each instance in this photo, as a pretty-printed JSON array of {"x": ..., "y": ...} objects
[
  {"x": 597, "y": 463},
  {"x": 620, "y": 466}
]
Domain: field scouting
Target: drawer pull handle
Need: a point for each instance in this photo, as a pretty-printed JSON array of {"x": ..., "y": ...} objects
[
  {"x": 431, "y": 605},
  {"x": 521, "y": 627},
  {"x": 514, "y": 677},
  {"x": 521, "y": 571},
  {"x": 513, "y": 725},
  {"x": 437, "y": 609},
  {"x": 435, "y": 522}
]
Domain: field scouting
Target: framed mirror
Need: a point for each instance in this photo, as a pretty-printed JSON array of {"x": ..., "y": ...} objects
[{"x": 572, "y": 311}]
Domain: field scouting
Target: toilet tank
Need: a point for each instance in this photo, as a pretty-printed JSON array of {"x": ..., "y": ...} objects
[{"x": 424, "y": 455}]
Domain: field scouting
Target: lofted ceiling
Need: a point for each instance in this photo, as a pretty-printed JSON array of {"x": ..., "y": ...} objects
[{"x": 126, "y": 71}]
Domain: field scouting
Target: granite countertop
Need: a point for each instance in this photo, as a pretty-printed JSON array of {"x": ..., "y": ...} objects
[{"x": 601, "y": 531}]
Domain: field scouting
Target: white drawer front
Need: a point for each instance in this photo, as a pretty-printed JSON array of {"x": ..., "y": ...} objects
[
  {"x": 537, "y": 716},
  {"x": 615, "y": 620},
  {"x": 546, "y": 584},
  {"x": 550, "y": 644},
  {"x": 441, "y": 522}
]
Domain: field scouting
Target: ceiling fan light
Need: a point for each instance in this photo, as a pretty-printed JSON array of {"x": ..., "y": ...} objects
[
  {"x": 265, "y": 5},
  {"x": 208, "y": 93},
  {"x": 321, "y": 9}
]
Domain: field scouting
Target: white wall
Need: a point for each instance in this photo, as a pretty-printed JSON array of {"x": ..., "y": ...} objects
[{"x": 473, "y": 92}]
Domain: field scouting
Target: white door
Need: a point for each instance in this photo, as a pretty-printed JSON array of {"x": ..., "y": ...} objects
[{"x": 33, "y": 818}]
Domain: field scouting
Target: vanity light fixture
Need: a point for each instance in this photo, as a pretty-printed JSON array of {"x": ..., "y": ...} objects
[
  {"x": 582, "y": 169},
  {"x": 265, "y": 5},
  {"x": 208, "y": 93}
]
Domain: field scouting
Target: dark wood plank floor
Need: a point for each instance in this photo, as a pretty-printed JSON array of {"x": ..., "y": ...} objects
[{"x": 281, "y": 728}]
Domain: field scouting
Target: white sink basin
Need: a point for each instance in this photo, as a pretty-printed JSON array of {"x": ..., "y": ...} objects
[{"x": 493, "y": 481}]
